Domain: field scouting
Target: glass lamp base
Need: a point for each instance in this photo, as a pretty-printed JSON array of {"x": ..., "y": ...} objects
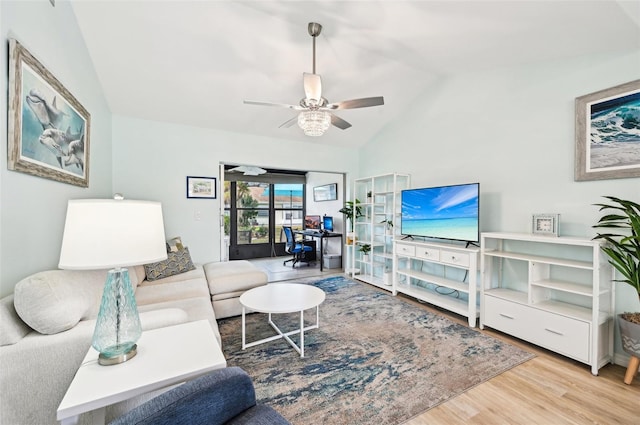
[
  {"x": 104, "y": 360},
  {"x": 118, "y": 324}
]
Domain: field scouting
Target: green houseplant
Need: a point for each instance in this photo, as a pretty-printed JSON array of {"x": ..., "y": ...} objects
[
  {"x": 623, "y": 249},
  {"x": 351, "y": 210},
  {"x": 365, "y": 249},
  {"x": 389, "y": 224}
]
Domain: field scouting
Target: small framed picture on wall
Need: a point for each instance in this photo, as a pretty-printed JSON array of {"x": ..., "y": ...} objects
[
  {"x": 201, "y": 187},
  {"x": 328, "y": 192}
]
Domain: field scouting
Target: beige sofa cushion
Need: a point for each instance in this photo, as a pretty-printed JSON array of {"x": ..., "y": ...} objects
[
  {"x": 56, "y": 300},
  {"x": 195, "y": 308},
  {"x": 150, "y": 292},
  {"x": 12, "y": 328},
  {"x": 233, "y": 276}
]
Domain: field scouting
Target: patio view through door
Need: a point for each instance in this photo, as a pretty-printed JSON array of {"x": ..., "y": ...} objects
[{"x": 256, "y": 208}]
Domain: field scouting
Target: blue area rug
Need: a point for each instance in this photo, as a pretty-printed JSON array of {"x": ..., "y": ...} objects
[{"x": 376, "y": 359}]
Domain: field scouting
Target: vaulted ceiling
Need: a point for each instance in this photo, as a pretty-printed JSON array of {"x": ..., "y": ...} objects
[{"x": 193, "y": 62}]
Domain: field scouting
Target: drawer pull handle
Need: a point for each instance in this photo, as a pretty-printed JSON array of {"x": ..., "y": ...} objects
[
  {"x": 506, "y": 315},
  {"x": 554, "y": 332}
]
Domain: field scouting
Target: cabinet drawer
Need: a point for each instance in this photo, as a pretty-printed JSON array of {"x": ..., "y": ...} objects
[
  {"x": 402, "y": 249},
  {"x": 428, "y": 253},
  {"x": 454, "y": 258},
  {"x": 505, "y": 316},
  {"x": 561, "y": 334}
]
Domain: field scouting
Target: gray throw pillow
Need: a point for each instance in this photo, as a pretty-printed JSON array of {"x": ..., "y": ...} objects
[{"x": 176, "y": 263}]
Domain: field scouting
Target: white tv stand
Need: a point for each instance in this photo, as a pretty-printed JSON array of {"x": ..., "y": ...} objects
[{"x": 436, "y": 272}]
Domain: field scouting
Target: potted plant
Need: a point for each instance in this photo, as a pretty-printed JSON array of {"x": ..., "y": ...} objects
[
  {"x": 387, "y": 278},
  {"x": 623, "y": 250},
  {"x": 365, "y": 249},
  {"x": 351, "y": 210},
  {"x": 389, "y": 226},
  {"x": 369, "y": 196}
]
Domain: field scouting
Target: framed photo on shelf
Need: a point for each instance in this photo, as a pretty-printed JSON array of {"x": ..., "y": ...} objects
[
  {"x": 48, "y": 129},
  {"x": 608, "y": 133},
  {"x": 328, "y": 192},
  {"x": 201, "y": 187}
]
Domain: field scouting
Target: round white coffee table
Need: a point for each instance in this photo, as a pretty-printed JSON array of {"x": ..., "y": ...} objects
[{"x": 277, "y": 298}]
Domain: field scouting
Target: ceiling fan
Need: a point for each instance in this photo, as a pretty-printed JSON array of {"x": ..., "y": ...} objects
[{"x": 316, "y": 115}]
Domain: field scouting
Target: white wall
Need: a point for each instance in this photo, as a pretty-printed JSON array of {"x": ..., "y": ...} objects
[
  {"x": 512, "y": 130},
  {"x": 331, "y": 208},
  {"x": 151, "y": 161},
  {"x": 331, "y": 245},
  {"x": 34, "y": 208}
]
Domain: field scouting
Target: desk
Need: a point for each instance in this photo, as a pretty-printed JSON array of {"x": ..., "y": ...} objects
[
  {"x": 166, "y": 356},
  {"x": 322, "y": 236}
]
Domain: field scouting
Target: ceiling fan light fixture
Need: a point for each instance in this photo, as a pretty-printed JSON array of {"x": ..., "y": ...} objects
[
  {"x": 314, "y": 122},
  {"x": 249, "y": 170}
]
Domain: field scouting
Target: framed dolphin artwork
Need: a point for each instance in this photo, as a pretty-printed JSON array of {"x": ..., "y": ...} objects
[{"x": 48, "y": 129}]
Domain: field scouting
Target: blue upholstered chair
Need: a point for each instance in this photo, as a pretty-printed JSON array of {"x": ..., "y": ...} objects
[
  {"x": 295, "y": 248},
  {"x": 225, "y": 396}
]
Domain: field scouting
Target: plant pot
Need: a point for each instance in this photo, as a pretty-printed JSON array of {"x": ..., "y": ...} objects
[
  {"x": 365, "y": 258},
  {"x": 630, "y": 336},
  {"x": 351, "y": 238}
]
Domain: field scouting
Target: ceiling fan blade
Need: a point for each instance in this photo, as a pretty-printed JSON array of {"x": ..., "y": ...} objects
[
  {"x": 289, "y": 123},
  {"x": 339, "y": 122},
  {"x": 357, "y": 103},
  {"x": 280, "y": 105},
  {"x": 312, "y": 86}
]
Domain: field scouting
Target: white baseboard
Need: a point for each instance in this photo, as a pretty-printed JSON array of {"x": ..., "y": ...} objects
[{"x": 621, "y": 359}]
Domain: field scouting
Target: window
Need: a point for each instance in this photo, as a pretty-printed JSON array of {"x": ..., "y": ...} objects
[{"x": 255, "y": 212}]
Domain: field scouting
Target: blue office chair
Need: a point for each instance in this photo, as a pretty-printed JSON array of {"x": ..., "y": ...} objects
[{"x": 295, "y": 248}]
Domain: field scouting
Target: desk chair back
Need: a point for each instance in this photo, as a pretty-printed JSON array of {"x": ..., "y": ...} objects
[{"x": 297, "y": 249}]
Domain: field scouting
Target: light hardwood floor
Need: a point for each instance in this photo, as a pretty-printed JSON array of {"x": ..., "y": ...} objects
[{"x": 549, "y": 389}]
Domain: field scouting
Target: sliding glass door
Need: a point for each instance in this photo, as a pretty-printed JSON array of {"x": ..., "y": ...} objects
[{"x": 255, "y": 212}]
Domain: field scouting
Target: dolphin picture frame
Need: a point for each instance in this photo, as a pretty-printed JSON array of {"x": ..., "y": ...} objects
[{"x": 48, "y": 129}]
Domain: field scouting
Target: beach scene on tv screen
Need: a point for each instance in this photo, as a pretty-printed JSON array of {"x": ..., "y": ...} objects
[{"x": 449, "y": 212}]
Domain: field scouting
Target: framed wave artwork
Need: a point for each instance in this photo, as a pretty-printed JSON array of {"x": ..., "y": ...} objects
[{"x": 608, "y": 133}]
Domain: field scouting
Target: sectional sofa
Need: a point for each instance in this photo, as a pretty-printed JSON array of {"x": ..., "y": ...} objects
[{"x": 47, "y": 324}]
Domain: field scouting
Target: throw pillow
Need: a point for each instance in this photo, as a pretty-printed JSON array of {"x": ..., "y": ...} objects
[
  {"x": 175, "y": 244},
  {"x": 176, "y": 263}
]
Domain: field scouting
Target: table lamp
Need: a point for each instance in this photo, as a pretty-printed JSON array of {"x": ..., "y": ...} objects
[{"x": 113, "y": 233}]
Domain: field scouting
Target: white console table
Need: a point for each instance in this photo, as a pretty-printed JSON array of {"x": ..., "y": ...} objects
[
  {"x": 555, "y": 292},
  {"x": 443, "y": 282},
  {"x": 166, "y": 356}
]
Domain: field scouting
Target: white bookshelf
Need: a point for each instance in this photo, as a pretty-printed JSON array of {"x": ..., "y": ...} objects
[
  {"x": 555, "y": 292},
  {"x": 383, "y": 204}
]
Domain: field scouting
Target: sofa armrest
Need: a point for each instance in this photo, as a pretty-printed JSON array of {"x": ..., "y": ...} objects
[{"x": 213, "y": 399}]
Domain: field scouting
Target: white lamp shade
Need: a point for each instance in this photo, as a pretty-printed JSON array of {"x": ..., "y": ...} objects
[{"x": 106, "y": 233}]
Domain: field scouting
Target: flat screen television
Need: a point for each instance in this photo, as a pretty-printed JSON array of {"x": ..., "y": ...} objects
[
  {"x": 312, "y": 222},
  {"x": 444, "y": 212}
]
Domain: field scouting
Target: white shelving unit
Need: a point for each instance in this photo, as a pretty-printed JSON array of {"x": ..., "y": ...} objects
[
  {"x": 382, "y": 204},
  {"x": 555, "y": 292},
  {"x": 441, "y": 274}
]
